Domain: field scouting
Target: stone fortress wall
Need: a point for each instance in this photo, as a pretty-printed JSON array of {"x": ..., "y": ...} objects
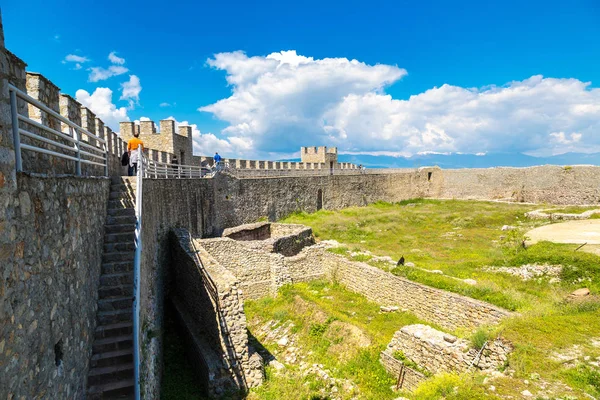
[
  {"x": 48, "y": 220},
  {"x": 163, "y": 145},
  {"x": 51, "y": 231},
  {"x": 165, "y": 142}
]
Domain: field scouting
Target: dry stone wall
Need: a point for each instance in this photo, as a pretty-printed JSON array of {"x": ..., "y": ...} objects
[
  {"x": 259, "y": 272},
  {"x": 406, "y": 378},
  {"x": 446, "y": 309},
  {"x": 439, "y": 352}
]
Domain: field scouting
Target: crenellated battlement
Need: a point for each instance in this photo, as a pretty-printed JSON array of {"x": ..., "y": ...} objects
[
  {"x": 320, "y": 154},
  {"x": 44, "y": 91},
  {"x": 165, "y": 143}
]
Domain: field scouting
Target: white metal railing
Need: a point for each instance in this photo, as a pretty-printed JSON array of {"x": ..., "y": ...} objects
[
  {"x": 137, "y": 261},
  {"x": 156, "y": 169},
  {"x": 72, "y": 145}
]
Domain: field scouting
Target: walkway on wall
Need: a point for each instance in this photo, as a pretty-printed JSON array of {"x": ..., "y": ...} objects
[{"x": 111, "y": 366}]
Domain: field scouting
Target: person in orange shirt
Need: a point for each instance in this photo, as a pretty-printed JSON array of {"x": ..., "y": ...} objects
[{"x": 134, "y": 157}]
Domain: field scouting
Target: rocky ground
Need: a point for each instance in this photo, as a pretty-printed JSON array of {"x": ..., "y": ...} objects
[
  {"x": 530, "y": 271},
  {"x": 288, "y": 358}
]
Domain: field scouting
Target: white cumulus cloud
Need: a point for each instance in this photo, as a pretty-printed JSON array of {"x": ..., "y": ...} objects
[
  {"x": 113, "y": 58},
  {"x": 76, "y": 59},
  {"x": 284, "y": 100},
  {"x": 101, "y": 74},
  {"x": 100, "y": 102},
  {"x": 209, "y": 143},
  {"x": 130, "y": 90}
]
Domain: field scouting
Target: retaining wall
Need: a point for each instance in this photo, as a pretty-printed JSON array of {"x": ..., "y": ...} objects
[
  {"x": 446, "y": 309},
  {"x": 51, "y": 238}
]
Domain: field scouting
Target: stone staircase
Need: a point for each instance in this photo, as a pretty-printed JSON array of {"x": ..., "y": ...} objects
[{"x": 111, "y": 366}]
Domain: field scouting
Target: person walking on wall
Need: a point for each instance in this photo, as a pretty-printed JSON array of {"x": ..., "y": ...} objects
[
  {"x": 134, "y": 157},
  {"x": 217, "y": 159}
]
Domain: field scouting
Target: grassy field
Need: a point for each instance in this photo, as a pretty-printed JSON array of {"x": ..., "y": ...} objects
[{"x": 461, "y": 238}]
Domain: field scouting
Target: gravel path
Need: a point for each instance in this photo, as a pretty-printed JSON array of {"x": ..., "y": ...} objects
[{"x": 576, "y": 232}]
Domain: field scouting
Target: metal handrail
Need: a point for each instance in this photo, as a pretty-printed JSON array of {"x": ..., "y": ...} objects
[
  {"x": 157, "y": 169},
  {"x": 137, "y": 260},
  {"x": 74, "y": 136}
]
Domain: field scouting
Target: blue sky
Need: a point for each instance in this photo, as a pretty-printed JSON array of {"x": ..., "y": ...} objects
[{"x": 429, "y": 76}]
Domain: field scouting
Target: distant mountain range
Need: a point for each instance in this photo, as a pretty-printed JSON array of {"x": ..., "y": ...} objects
[{"x": 470, "y": 160}]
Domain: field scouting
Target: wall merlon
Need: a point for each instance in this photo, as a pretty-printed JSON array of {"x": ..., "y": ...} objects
[
  {"x": 70, "y": 109},
  {"x": 147, "y": 128},
  {"x": 185, "y": 130},
  {"x": 126, "y": 129},
  {"x": 16, "y": 70},
  {"x": 47, "y": 93},
  {"x": 88, "y": 122},
  {"x": 167, "y": 127}
]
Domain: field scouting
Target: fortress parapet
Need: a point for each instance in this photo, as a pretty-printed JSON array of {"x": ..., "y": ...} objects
[
  {"x": 165, "y": 143},
  {"x": 319, "y": 154}
]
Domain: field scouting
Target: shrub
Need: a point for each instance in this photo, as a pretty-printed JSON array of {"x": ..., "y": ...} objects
[{"x": 479, "y": 338}]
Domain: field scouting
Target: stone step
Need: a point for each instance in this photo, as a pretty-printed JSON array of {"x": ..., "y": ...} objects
[
  {"x": 117, "y": 204},
  {"x": 124, "y": 179},
  {"x": 115, "y": 247},
  {"x": 112, "y": 317},
  {"x": 121, "y": 278},
  {"x": 118, "y": 256},
  {"x": 119, "y": 237},
  {"x": 109, "y": 358},
  {"x": 123, "y": 187},
  {"x": 112, "y": 343},
  {"x": 121, "y": 195},
  {"x": 115, "y": 291},
  {"x": 111, "y": 390},
  {"x": 115, "y": 303},
  {"x": 121, "y": 228},
  {"x": 100, "y": 375},
  {"x": 110, "y": 330},
  {"x": 121, "y": 211},
  {"x": 117, "y": 267},
  {"x": 120, "y": 219}
]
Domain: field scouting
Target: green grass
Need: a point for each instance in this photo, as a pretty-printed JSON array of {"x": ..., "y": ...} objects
[
  {"x": 460, "y": 238},
  {"x": 322, "y": 304},
  {"x": 571, "y": 210}
]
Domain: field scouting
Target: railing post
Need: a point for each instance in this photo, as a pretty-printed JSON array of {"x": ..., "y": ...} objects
[
  {"x": 75, "y": 134},
  {"x": 15, "y": 128},
  {"x": 105, "y": 158}
]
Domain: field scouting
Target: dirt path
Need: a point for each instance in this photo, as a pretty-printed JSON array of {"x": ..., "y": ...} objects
[{"x": 575, "y": 232}]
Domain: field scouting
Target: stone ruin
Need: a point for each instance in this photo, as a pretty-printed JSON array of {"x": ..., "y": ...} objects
[
  {"x": 254, "y": 260},
  {"x": 434, "y": 351}
]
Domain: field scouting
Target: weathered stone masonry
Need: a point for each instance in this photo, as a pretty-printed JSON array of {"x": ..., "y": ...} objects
[
  {"x": 209, "y": 300},
  {"x": 50, "y": 252}
]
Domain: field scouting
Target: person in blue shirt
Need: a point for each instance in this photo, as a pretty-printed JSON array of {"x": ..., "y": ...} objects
[{"x": 217, "y": 159}]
